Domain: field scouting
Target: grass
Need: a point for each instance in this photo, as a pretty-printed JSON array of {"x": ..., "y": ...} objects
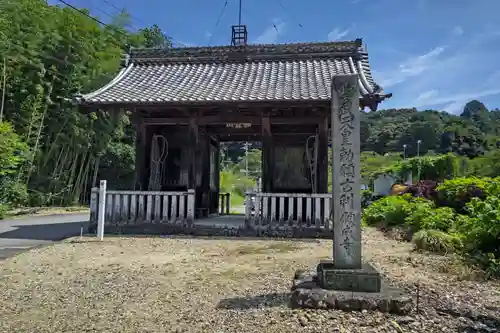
[
  {"x": 236, "y": 200},
  {"x": 182, "y": 284},
  {"x": 23, "y": 211},
  {"x": 277, "y": 247}
]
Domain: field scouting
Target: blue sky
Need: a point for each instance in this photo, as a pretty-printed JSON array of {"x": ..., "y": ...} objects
[{"x": 429, "y": 53}]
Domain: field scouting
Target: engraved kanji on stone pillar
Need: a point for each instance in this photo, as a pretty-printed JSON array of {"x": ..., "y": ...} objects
[{"x": 346, "y": 172}]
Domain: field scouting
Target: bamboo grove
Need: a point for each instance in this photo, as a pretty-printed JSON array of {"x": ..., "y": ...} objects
[{"x": 49, "y": 54}]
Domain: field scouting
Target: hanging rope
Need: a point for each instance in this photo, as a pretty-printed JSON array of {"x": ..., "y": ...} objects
[
  {"x": 312, "y": 160},
  {"x": 159, "y": 153}
]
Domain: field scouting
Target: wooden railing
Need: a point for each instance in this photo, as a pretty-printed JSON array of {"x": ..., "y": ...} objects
[
  {"x": 292, "y": 209},
  {"x": 224, "y": 203},
  {"x": 130, "y": 207}
]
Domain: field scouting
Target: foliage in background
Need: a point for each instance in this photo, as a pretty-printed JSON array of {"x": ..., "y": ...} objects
[
  {"x": 51, "y": 55},
  {"x": 465, "y": 217},
  {"x": 233, "y": 179},
  {"x": 13, "y": 152},
  {"x": 437, "y": 167}
]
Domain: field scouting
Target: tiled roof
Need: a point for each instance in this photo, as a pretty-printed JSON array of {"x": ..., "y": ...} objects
[{"x": 242, "y": 73}]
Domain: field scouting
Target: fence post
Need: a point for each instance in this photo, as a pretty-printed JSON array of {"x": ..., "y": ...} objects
[
  {"x": 101, "y": 211},
  {"x": 93, "y": 204},
  {"x": 248, "y": 209},
  {"x": 190, "y": 206},
  {"x": 228, "y": 201}
]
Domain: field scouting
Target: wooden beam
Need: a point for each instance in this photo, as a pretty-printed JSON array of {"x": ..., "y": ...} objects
[
  {"x": 235, "y": 118},
  {"x": 212, "y": 104}
]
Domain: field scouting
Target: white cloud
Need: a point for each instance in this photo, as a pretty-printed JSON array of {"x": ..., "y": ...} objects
[
  {"x": 337, "y": 34},
  {"x": 411, "y": 67},
  {"x": 455, "y": 102},
  {"x": 184, "y": 44},
  {"x": 429, "y": 94},
  {"x": 458, "y": 31},
  {"x": 272, "y": 33},
  {"x": 455, "y": 107}
]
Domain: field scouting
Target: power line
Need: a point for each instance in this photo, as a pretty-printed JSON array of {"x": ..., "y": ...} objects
[
  {"x": 141, "y": 21},
  {"x": 99, "y": 21},
  {"x": 276, "y": 28},
  {"x": 82, "y": 12},
  {"x": 218, "y": 21},
  {"x": 283, "y": 7}
]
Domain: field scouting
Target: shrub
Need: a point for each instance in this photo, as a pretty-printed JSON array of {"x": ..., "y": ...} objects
[
  {"x": 483, "y": 230},
  {"x": 480, "y": 233},
  {"x": 12, "y": 150},
  {"x": 391, "y": 210},
  {"x": 12, "y": 154},
  {"x": 425, "y": 216},
  {"x": 436, "y": 241},
  {"x": 456, "y": 193},
  {"x": 424, "y": 188},
  {"x": 3, "y": 210},
  {"x": 13, "y": 193},
  {"x": 367, "y": 198},
  {"x": 489, "y": 262}
]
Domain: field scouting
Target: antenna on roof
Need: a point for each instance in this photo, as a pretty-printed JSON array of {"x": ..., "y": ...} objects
[{"x": 239, "y": 34}]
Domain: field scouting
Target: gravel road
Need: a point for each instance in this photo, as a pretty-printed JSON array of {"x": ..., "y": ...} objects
[{"x": 20, "y": 234}]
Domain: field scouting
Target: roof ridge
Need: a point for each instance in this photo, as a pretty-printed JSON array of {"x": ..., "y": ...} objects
[{"x": 244, "y": 52}]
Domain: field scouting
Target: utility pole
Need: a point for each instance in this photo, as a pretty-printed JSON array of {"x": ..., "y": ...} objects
[
  {"x": 239, "y": 16},
  {"x": 4, "y": 84},
  {"x": 246, "y": 158},
  {"x": 419, "y": 161}
]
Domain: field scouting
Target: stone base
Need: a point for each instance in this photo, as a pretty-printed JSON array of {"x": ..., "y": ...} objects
[
  {"x": 366, "y": 279},
  {"x": 308, "y": 293}
]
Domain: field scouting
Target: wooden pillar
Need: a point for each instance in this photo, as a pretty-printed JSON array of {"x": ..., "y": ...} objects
[
  {"x": 322, "y": 164},
  {"x": 140, "y": 156},
  {"x": 193, "y": 144},
  {"x": 267, "y": 156},
  {"x": 217, "y": 176},
  {"x": 205, "y": 175}
]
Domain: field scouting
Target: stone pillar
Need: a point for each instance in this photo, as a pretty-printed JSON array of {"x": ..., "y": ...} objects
[{"x": 346, "y": 172}]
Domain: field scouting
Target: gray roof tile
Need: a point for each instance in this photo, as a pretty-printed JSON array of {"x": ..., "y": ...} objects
[{"x": 244, "y": 73}]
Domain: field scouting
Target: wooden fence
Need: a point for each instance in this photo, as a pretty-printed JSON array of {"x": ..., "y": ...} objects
[
  {"x": 289, "y": 209},
  {"x": 288, "y": 215},
  {"x": 129, "y": 207}
]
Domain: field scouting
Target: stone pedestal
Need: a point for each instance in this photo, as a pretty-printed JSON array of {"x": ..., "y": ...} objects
[
  {"x": 366, "y": 279},
  {"x": 308, "y": 292}
]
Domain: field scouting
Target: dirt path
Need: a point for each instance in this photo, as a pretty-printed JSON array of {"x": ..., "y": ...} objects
[{"x": 208, "y": 285}]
